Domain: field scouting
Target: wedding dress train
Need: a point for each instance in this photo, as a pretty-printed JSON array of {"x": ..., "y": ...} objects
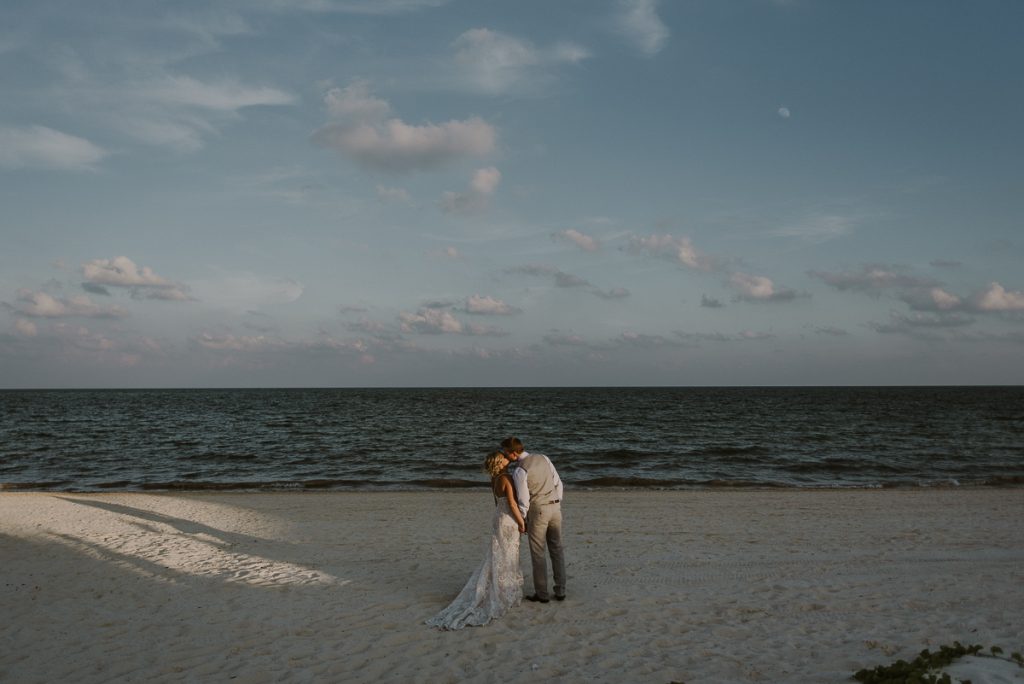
[{"x": 497, "y": 584}]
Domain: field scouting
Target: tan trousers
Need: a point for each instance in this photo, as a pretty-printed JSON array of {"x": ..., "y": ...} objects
[{"x": 544, "y": 529}]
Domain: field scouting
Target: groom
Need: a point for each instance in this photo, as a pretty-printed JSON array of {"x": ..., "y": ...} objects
[{"x": 539, "y": 495}]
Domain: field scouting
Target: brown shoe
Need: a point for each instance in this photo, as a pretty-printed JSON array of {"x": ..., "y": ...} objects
[{"x": 536, "y": 599}]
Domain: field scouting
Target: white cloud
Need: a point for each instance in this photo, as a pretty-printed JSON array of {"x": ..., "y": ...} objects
[
  {"x": 26, "y": 327},
  {"x": 494, "y": 62},
  {"x": 39, "y": 147},
  {"x": 476, "y": 304},
  {"x": 759, "y": 288},
  {"x": 932, "y": 299},
  {"x": 476, "y": 198},
  {"x": 42, "y": 305},
  {"x": 485, "y": 181},
  {"x": 392, "y": 145},
  {"x": 639, "y": 22},
  {"x": 122, "y": 272},
  {"x": 677, "y": 249},
  {"x": 584, "y": 242},
  {"x": 998, "y": 298},
  {"x": 784, "y": 112},
  {"x": 430, "y": 321}
]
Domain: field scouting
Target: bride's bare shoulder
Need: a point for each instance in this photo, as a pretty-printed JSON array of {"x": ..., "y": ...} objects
[{"x": 500, "y": 483}]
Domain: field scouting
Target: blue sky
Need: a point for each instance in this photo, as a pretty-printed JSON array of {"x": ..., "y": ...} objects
[{"x": 435, "y": 193}]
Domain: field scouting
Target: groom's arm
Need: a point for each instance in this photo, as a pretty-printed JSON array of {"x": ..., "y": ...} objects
[{"x": 522, "y": 493}]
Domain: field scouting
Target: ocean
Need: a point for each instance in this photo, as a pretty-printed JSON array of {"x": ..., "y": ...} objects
[{"x": 415, "y": 439}]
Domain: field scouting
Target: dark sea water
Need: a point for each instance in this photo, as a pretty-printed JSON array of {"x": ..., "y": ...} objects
[{"x": 373, "y": 439}]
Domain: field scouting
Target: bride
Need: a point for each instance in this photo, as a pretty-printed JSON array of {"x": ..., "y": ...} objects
[{"x": 497, "y": 584}]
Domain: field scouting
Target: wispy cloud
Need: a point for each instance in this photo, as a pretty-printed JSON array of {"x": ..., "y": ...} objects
[
  {"x": 639, "y": 23},
  {"x": 362, "y": 132},
  {"x": 244, "y": 291},
  {"x": 181, "y": 111},
  {"x": 817, "y": 228},
  {"x": 581, "y": 240},
  {"x": 225, "y": 96},
  {"x": 39, "y": 147},
  {"x": 494, "y": 63}
]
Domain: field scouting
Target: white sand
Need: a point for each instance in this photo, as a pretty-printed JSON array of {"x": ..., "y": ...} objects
[{"x": 774, "y": 586}]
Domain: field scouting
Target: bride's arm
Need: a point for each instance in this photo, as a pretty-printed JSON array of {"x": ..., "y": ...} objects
[{"x": 509, "y": 493}]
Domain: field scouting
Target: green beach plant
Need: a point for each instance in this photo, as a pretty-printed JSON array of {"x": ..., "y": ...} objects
[{"x": 924, "y": 668}]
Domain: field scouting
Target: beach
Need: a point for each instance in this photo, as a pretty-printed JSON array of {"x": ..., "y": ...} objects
[{"x": 741, "y": 585}]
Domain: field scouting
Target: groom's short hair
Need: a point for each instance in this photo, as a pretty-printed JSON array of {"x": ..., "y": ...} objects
[{"x": 512, "y": 444}]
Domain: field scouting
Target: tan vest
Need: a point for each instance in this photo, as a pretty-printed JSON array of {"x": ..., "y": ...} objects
[{"x": 540, "y": 478}]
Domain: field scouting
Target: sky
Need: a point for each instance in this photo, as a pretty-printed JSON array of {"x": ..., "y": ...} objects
[{"x": 409, "y": 193}]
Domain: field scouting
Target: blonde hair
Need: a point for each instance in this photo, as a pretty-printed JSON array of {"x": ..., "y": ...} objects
[{"x": 492, "y": 464}]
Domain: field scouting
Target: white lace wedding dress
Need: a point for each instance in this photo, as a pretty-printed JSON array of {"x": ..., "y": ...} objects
[{"x": 497, "y": 584}]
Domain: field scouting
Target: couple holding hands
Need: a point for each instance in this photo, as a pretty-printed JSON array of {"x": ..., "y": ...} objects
[{"x": 527, "y": 495}]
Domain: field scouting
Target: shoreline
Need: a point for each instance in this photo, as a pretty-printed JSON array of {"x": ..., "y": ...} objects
[
  {"x": 781, "y": 585},
  {"x": 1009, "y": 482}
]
